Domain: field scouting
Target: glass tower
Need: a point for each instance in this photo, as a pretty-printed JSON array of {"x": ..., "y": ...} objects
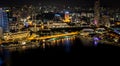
[{"x": 4, "y": 19}]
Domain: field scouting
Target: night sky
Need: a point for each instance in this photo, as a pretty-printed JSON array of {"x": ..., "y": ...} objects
[{"x": 86, "y": 3}]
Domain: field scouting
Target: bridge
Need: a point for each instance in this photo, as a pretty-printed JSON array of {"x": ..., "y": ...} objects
[{"x": 34, "y": 37}]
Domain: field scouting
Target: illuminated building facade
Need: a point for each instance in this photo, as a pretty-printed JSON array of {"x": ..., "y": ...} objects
[
  {"x": 97, "y": 13},
  {"x": 3, "y": 19},
  {"x": 117, "y": 16},
  {"x": 66, "y": 17}
]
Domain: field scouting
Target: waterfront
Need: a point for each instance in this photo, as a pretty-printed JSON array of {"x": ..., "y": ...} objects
[
  {"x": 49, "y": 32},
  {"x": 70, "y": 49}
]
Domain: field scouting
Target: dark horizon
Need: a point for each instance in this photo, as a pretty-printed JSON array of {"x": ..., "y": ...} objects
[{"x": 81, "y": 3}]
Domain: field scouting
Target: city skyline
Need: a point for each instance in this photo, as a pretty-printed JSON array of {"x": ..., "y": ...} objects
[
  {"x": 81, "y": 3},
  {"x": 32, "y": 31}
]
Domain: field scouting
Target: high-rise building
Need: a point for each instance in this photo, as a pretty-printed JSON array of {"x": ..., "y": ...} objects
[
  {"x": 97, "y": 12},
  {"x": 4, "y": 19},
  {"x": 67, "y": 17}
]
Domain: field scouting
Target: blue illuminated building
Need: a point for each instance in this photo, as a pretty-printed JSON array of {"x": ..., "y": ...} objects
[{"x": 4, "y": 19}]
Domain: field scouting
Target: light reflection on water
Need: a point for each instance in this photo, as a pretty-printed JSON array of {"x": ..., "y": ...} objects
[
  {"x": 60, "y": 42},
  {"x": 1, "y": 56},
  {"x": 1, "y": 61},
  {"x": 5, "y": 57},
  {"x": 66, "y": 43}
]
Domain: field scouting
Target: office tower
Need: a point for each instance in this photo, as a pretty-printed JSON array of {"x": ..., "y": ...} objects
[
  {"x": 97, "y": 13},
  {"x": 66, "y": 17},
  {"x": 4, "y": 19}
]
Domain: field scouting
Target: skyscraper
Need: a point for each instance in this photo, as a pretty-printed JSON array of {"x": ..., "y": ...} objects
[
  {"x": 97, "y": 12},
  {"x": 67, "y": 18},
  {"x": 4, "y": 19}
]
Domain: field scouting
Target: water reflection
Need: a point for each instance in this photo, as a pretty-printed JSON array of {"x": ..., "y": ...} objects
[
  {"x": 5, "y": 57},
  {"x": 66, "y": 42},
  {"x": 43, "y": 45},
  {"x": 1, "y": 61},
  {"x": 67, "y": 45},
  {"x": 1, "y": 57},
  {"x": 59, "y": 45}
]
